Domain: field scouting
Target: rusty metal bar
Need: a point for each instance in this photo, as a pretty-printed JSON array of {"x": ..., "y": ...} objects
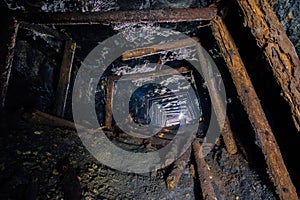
[
  {"x": 265, "y": 137},
  {"x": 111, "y": 17},
  {"x": 64, "y": 78},
  {"x": 8, "y": 35},
  {"x": 278, "y": 50}
]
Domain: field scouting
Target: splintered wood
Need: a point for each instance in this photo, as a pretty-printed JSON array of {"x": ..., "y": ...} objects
[
  {"x": 8, "y": 37},
  {"x": 276, "y": 167},
  {"x": 64, "y": 79},
  {"x": 278, "y": 49}
]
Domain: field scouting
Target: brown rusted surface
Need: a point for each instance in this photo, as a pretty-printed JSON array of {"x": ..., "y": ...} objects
[
  {"x": 217, "y": 103},
  {"x": 276, "y": 167},
  {"x": 178, "y": 168},
  {"x": 8, "y": 34},
  {"x": 204, "y": 175},
  {"x": 278, "y": 49},
  {"x": 168, "y": 15},
  {"x": 64, "y": 78}
]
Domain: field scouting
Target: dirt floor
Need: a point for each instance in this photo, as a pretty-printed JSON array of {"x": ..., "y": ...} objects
[{"x": 44, "y": 162}]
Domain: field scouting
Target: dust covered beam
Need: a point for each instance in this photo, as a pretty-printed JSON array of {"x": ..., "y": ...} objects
[
  {"x": 168, "y": 15},
  {"x": 276, "y": 167},
  {"x": 8, "y": 35},
  {"x": 277, "y": 48}
]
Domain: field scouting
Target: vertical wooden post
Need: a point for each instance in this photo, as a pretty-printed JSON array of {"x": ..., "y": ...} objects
[
  {"x": 8, "y": 35},
  {"x": 265, "y": 137},
  {"x": 64, "y": 78},
  {"x": 109, "y": 99}
]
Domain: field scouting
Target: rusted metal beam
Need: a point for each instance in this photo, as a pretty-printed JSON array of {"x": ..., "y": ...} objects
[
  {"x": 265, "y": 137},
  {"x": 278, "y": 49},
  {"x": 64, "y": 78},
  {"x": 8, "y": 34},
  {"x": 111, "y": 17}
]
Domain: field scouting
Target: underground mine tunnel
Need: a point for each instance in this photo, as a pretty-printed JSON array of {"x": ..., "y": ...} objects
[{"x": 150, "y": 99}]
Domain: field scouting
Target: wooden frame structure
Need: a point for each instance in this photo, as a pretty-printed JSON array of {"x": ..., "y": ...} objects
[{"x": 258, "y": 16}]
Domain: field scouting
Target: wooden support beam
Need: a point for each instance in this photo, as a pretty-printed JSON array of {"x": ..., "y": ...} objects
[
  {"x": 177, "y": 170},
  {"x": 39, "y": 117},
  {"x": 8, "y": 35},
  {"x": 109, "y": 99},
  {"x": 209, "y": 183},
  {"x": 112, "y": 17},
  {"x": 265, "y": 137},
  {"x": 157, "y": 48},
  {"x": 218, "y": 104},
  {"x": 64, "y": 78},
  {"x": 278, "y": 49}
]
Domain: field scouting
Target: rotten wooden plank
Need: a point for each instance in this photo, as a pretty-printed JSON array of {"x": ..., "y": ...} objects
[
  {"x": 265, "y": 137},
  {"x": 217, "y": 103},
  {"x": 278, "y": 49},
  {"x": 8, "y": 35},
  {"x": 111, "y": 17},
  {"x": 64, "y": 78}
]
